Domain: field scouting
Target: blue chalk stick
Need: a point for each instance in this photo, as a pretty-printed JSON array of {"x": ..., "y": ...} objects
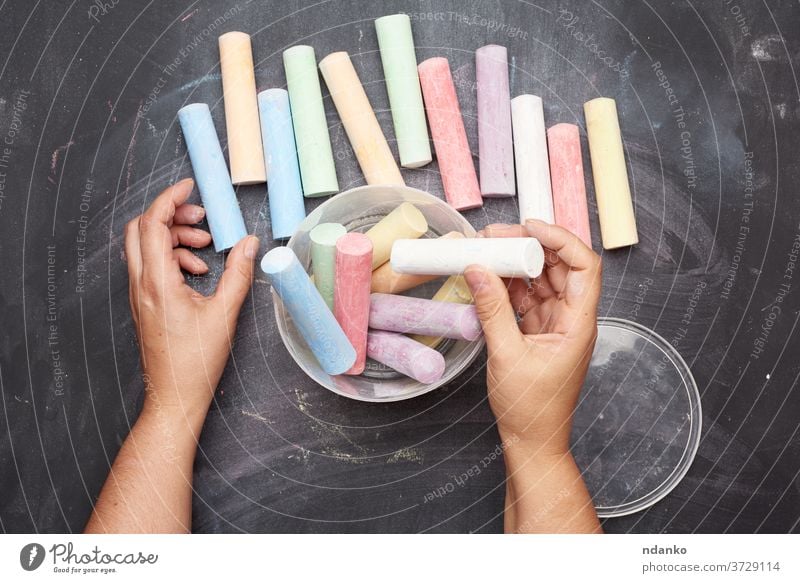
[
  {"x": 213, "y": 180},
  {"x": 286, "y": 208},
  {"x": 309, "y": 311}
]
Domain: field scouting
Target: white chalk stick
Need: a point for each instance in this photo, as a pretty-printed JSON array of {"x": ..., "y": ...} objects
[
  {"x": 506, "y": 257},
  {"x": 530, "y": 155}
]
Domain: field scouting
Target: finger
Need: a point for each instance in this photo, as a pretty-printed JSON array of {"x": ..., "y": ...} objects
[
  {"x": 189, "y": 236},
  {"x": 543, "y": 286},
  {"x": 188, "y": 214},
  {"x": 582, "y": 279},
  {"x": 522, "y": 296},
  {"x": 155, "y": 238},
  {"x": 189, "y": 261},
  {"x": 133, "y": 254},
  {"x": 238, "y": 276},
  {"x": 569, "y": 248},
  {"x": 503, "y": 230},
  {"x": 494, "y": 308}
]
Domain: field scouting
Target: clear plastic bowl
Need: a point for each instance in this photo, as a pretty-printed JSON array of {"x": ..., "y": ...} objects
[{"x": 358, "y": 210}]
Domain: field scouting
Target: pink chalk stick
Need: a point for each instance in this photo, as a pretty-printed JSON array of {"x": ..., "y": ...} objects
[
  {"x": 406, "y": 356},
  {"x": 418, "y": 316},
  {"x": 351, "y": 299},
  {"x": 495, "y": 141},
  {"x": 449, "y": 136},
  {"x": 566, "y": 177}
]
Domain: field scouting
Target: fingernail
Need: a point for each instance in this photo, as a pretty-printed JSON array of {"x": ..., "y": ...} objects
[
  {"x": 198, "y": 214},
  {"x": 534, "y": 222},
  {"x": 476, "y": 279},
  {"x": 251, "y": 247}
]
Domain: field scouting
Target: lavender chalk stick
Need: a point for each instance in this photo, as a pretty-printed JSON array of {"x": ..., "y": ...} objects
[
  {"x": 406, "y": 356},
  {"x": 308, "y": 310},
  {"x": 222, "y": 209},
  {"x": 494, "y": 122},
  {"x": 419, "y": 316}
]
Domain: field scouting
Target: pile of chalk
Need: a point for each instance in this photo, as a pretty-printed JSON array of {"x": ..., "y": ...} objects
[{"x": 352, "y": 309}]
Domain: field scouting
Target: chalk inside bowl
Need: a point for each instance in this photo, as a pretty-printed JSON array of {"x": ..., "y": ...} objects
[{"x": 417, "y": 338}]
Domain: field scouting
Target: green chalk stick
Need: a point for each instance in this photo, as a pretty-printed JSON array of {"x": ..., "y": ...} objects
[
  {"x": 402, "y": 83},
  {"x": 323, "y": 257},
  {"x": 317, "y": 169}
]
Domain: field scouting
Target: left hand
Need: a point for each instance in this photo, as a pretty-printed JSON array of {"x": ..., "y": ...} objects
[{"x": 184, "y": 337}]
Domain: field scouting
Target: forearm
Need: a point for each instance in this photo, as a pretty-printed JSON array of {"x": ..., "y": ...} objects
[
  {"x": 545, "y": 493},
  {"x": 149, "y": 488}
]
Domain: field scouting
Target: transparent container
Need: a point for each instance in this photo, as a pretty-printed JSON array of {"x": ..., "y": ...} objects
[
  {"x": 637, "y": 425},
  {"x": 358, "y": 210}
]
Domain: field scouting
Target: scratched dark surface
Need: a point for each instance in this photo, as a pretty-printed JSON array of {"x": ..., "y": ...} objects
[{"x": 88, "y": 99}]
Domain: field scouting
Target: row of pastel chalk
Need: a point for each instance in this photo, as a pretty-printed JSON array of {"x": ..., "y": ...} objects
[
  {"x": 550, "y": 175},
  {"x": 292, "y": 151}
]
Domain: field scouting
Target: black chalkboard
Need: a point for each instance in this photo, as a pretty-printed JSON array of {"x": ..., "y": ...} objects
[{"x": 708, "y": 97}]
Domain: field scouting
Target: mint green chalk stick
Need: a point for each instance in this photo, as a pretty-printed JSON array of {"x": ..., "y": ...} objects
[
  {"x": 323, "y": 257},
  {"x": 317, "y": 169},
  {"x": 402, "y": 83}
]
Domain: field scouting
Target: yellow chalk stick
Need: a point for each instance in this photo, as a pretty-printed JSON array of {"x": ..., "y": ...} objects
[
  {"x": 614, "y": 203},
  {"x": 404, "y": 222}
]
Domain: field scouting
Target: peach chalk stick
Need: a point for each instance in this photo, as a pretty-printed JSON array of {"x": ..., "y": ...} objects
[
  {"x": 614, "y": 203},
  {"x": 351, "y": 298},
  {"x": 460, "y": 182},
  {"x": 530, "y": 152},
  {"x": 495, "y": 142},
  {"x": 419, "y": 316},
  {"x": 404, "y": 222},
  {"x": 241, "y": 109},
  {"x": 506, "y": 257},
  {"x": 384, "y": 280},
  {"x": 359, "y": 121},
  {"x": 566, "y": 176},
  {"x": 455, "y": 290},
  {"x": 415, "y": 360}
]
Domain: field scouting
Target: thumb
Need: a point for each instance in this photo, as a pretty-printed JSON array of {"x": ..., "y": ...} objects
[
  {"x": 493, "y": 306},
  {"x": 238, "y": 275}
]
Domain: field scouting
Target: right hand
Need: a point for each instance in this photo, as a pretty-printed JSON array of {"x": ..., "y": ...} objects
[{"x": 536, "y": 367}]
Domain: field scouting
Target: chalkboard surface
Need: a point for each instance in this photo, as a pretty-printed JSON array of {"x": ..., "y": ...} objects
[{"x": 709, "y": 105}]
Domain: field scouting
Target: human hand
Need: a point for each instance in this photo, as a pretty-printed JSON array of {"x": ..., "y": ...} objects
[
  {"x": 536, "y": 366},
  {"x": 184, "y": 337}
]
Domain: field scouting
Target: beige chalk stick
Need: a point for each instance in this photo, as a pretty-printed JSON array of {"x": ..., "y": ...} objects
[
  {"x": 404, "y": 222},
  {"x": 454, "y": 290},
  {"x": 387, "y": 281},
  {"x": 359, "y": 121},
  {"x": 241, "y": 109},
  {"x": 614, "y": 202}
]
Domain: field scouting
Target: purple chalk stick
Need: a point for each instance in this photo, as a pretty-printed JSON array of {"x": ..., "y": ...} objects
[
  {"x": 496, "y": 145},
  {"x": 406, "y": 356},
  {"x": 427, "y": 317}
]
